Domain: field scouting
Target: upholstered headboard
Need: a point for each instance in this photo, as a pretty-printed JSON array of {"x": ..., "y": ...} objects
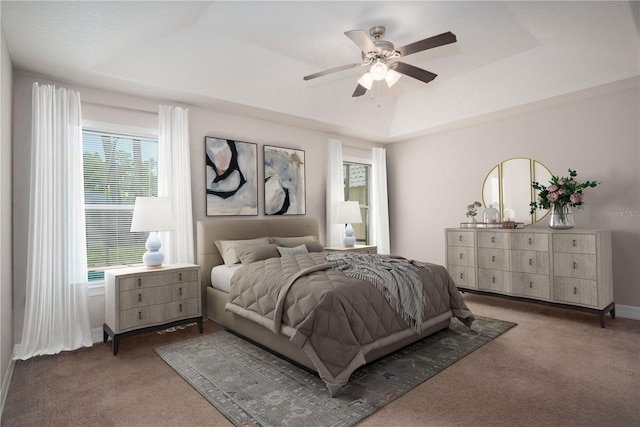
[{"x": 210, "y": 230}]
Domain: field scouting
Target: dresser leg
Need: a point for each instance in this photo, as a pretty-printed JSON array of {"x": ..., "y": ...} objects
[
  {"x": 603, "y": 315},
  {"x": 200, "y": 325},
  {"x": 115, "y": 344}
]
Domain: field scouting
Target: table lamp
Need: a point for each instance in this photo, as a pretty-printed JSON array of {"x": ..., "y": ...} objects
[
  {"x": 349, "y": 213},
  {"x": 152, "y": 214}
]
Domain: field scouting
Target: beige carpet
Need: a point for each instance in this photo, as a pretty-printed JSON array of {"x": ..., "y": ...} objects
[{"x": 557, "y": 367}]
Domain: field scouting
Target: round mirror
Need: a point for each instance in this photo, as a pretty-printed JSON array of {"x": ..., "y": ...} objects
[{"x": 508, "y": 188}]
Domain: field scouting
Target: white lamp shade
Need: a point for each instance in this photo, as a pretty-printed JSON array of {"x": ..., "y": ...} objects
[
  {"x": 378, "y": 70},
  {"x": 366, "y": 80},
  {"x": 392, "y": 77},
  {"x": 152, "y": 214},
  {"x": 349, "y": 213}
]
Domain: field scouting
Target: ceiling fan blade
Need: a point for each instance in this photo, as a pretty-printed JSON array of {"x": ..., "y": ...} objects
[
  {"x": 415, "y": 72},
  {"x": 362, "y": 40},
  {"x": 428, "y": 43},
  {"x": 333, "y": 70},
  {"x": 360, "y": 90}
]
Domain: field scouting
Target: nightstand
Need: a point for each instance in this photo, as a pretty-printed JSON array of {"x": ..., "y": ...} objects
[
  {"x": 366, "y": 249},
  {"x": 142, "y": 299}
]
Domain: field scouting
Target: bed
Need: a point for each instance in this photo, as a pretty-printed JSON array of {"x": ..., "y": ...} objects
[{"x": 336, "y": 323}]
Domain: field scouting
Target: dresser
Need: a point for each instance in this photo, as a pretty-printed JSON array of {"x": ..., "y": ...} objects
[
  {"x": 142, "y": 299},
  {"x": 570, "y": 268}
]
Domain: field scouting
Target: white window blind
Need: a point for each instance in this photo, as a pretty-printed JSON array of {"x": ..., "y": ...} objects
[{"x": 117, "y": 169}]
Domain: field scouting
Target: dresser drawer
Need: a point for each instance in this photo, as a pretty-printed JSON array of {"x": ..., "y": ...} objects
[
  {"x": 530, "y": 261},
  {"x": 575, "y": 265},
  {"x": 146, "y": 280},
  {"x": 464, "y": 277},
  {"x": 576, "y": 291},
  {"x": 530, "y": 242},
  {"x": 458, "y": 255},
  {"x": 530, "y": 285},
  {"x": 575, "y": 243},
  {"x": 488, "y": 239},
  {"x": 157, "y": 295},
  {"x": 497, "y": 259},
  {"x": 494, "y": 280},
  {"x": 460, "y": 238}
]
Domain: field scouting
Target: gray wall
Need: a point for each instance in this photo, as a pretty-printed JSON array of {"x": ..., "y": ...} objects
[
  {"x": 595, "y": 132},
  {"x": 6, "y": 258}
]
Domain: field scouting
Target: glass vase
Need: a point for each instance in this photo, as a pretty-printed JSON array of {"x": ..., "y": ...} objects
[{"x": 561, "y": 217}]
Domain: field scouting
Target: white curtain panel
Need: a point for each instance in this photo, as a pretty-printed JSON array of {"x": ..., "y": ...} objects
[
  {"x": 174, "y": 180},
  {"x": 57, "y": 306},
  {"x": 335, "y": 193},
  {"x": 379, "y": 227}
]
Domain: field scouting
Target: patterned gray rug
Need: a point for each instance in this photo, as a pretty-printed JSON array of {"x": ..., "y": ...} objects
[{"x": 250, "y": 386}]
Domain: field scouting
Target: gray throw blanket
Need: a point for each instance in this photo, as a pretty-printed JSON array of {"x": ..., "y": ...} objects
[{"x": 396, "y": 279}]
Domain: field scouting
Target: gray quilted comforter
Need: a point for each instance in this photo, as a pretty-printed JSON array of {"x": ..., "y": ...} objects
[{"x": 335, "y": 319}]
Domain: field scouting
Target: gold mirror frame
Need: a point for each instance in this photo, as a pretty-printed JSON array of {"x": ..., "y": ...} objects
[{"x": 508, "y": 188}]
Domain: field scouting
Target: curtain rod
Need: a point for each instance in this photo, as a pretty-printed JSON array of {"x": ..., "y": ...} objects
[{"x": 140, "y": 110}]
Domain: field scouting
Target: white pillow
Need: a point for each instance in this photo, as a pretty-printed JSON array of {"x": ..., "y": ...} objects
[
  {"x": 227, "y": 248},
  {"x": 302, "y": 249}
]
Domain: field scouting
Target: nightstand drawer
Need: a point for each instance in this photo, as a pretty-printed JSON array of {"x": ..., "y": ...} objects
[
  {"x": 159, "y": 313},
  {"x": 146, "y": 280},
  {"x": 157, "y": 295}
]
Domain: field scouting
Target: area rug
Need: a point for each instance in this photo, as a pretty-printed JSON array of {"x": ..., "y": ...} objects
[{"x": 251, "y": 386}]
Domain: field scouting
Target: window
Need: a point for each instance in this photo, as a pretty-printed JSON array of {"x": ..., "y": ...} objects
[
  {"x": 357, "y": 177},
  {"x": 117, "y": 169}
]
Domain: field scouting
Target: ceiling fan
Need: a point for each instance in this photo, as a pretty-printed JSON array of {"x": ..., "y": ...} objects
[{"x": 383, "y": 58}]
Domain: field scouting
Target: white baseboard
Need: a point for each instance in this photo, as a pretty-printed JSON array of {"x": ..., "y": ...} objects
[
  {"x": 628, "y": 312},
  {"x": 96, "y": 335},
  {"x": 6, "y": 382}
]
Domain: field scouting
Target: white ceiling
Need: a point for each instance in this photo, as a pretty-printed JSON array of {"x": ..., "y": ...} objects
[{"x": 250, "y": 57}]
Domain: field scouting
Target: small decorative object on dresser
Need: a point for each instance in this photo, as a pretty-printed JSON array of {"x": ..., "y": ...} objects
[
  {"x": 139, "y": 299},
  {"x": 472, "y": 211},
  {"x": 356, "y": 248},
  {"x": 561, "y": 196},
  {"x": 571, "y": 269}
]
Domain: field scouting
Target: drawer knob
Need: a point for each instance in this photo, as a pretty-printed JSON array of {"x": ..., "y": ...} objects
[
  {"x": 531, "y": 284},
  {"x": 139, "y": 315},
  {"x": 180, "y": 277},
  {"x": 493, "y": 279},
  {"x": 574, "y": 243},
  {"x": 460, "y": 238},
  {"x": 493, "y": 258},
  {"x": 179, "y": 291},
  {"x": 493, "y": 239},
  {"x": 460, "y": 256},
  {"x": 461, "y": 275},
  {"x": 139, "y": 297},
  {"x": 139, "y": 281},
  {"x": 530, "y": 241},
  {"x": 575, "y": 265},
  {"x": 530, "y": 261},
  {"x": 575, "y": 290},
  {"x": 180, "y": 308}
]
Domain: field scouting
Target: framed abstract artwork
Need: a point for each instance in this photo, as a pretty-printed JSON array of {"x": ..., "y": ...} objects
[
  {"x": 284, "y": 181},
  {"x": 231, "y": 177}
]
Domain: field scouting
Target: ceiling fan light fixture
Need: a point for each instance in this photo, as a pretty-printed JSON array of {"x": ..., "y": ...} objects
[
  {"x": 366, "y": 80},
  {"x": 392, "y": 77},
  {"x": 378, "y": 70}
]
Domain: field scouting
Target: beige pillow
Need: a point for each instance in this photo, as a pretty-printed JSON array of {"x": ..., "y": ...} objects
[
  {"x": 227, "y": 248},
  {"x": 314, "y": 246},
  {"x": 249, "y": 254},
  {"x": 291, "y": 241}
]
